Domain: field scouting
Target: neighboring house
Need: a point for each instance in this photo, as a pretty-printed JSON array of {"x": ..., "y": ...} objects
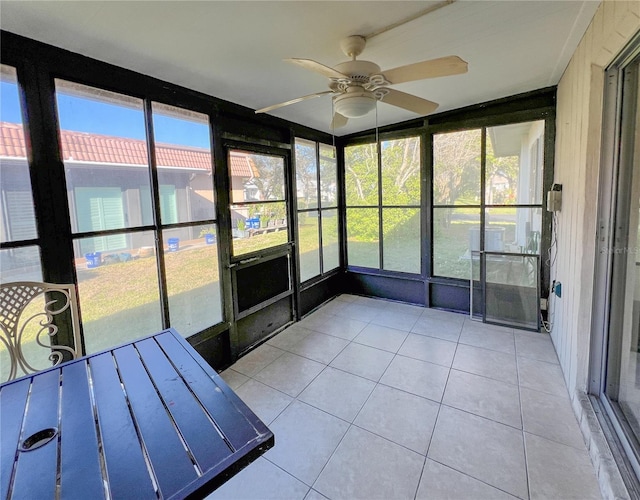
[{"x": 108, "y": 185}]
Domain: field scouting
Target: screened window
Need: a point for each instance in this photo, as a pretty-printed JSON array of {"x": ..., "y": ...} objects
[
  {"x": 120, "y": 213},
  {"x": 495, "y": 189},
  {"x": 258, "y": 202},
  {"x": 383, "y": 205},
  {"x": 316, "y": 192},
  {"x": 19, "y": 261}
]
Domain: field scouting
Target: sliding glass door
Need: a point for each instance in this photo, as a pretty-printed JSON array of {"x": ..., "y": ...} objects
[{"x": 622, "y": 374}]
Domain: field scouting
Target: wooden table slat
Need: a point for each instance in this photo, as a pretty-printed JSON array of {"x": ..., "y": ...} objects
[
  {"x": 200, "y": 434},
  {"x": 124, "y": 459},
  {"x": 11, "y": 396},
  {"x": 79, "y": 453},
  {"x": 238, "y": 429},
  {"x": 170, "y": 460},
  {"x": 35, "y": 475}
]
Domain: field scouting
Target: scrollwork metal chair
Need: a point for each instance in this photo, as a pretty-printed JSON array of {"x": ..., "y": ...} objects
[{"x": 27, "y": 312}]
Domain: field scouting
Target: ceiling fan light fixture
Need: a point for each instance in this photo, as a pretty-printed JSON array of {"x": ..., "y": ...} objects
[{"x": 355, "y": 104}]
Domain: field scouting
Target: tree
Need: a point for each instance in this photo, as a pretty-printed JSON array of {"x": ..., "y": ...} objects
[
  {"x": 270, "y": 178},
  {"x": 306, "y": 175},
  {"x": 456, "y": 167}
]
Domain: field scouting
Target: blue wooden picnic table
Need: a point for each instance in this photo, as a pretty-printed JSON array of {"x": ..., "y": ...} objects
[{"x": 148, "y": 419}]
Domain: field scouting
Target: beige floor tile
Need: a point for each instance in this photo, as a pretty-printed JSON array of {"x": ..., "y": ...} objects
[
  {"x": 439, "y": 482},
  {"x": 559, "y": 471},
  {"x": 535, "y": 346},
  {"x": 551, "y": 417},
  {"x": 395, "y": 319},
  {"x": 289, "y": 337},
  {"x": 319, "y": 347},
  {"x": 338, "y": 326},
  {"x": 290, "y": 373},
  {"x": 428, "y": 349},
  {"x": 417, "y": 377},
  {"x": 485, "y": 397},
  {"x": 398, "y": 416},
  {"x": 256, "y": 360},
  {"x": 305, "y": 439},
  {"x": 233, "y": 378},
  {"x": 493, "y": 364},
  {"x": 541, "y": 376},
  {"x": 438, "y": 327},
  {"x": 265, "y": 402},
  {"x": 357, "y": 311},
  {"x": 381, "y": 337},
  {"x": 363, "y": 361},
  {"x": 494, "y": 338},
  {"x": 366, "y": 466},
  {"x": 486, "y": 450},
  {"x": 261, "y": 481},
  {"x": 338, "y": 393}
]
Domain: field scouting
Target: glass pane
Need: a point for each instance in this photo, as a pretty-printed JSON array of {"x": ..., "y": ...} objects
[
  {"x": 513, "y": 230},
  {"x": 477, "y": 297},
  {"x": 363, "y": 237},
  {"x": 105, "y": 155},
  {"x": 328, "y": 176},
  {"x": 511, "y": 290},
  {"x": 308, "y": 245},
  {"x": 456, "y": 231},
  {"x": 184, "y": 162},
  {"x": 330, "y": 240},
  {"x": 20, "y": 264},
  {"x": 401, "y": 239},
  {"x": 256, "y": 177},
  {"x": 118, "y": 291},
  {"x": 193, "y": 278},
  {"x": 306, "y": 174},
  {"x": 401, "y": 171},
  {"x": 515, "y": 160},
  {"x": 456, "y": 168},
  {"x": 17, "y": 218},
  {"x": 361, "y": 175},
  {"x": 258, "y": 226}
]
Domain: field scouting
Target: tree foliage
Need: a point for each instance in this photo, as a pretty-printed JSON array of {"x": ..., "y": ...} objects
[
  {"x": 400, "y": 178},
  {"x": 456, "y": 167}
]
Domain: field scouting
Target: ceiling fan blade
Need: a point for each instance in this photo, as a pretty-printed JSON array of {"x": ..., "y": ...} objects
[
  {"x": 293, "y": 101},
  {"x": 338, "y": 120},
  {"x": 410, "y": 102},
  {"x": 318, "y": 68},
  {"x": 444, "y": 66}
]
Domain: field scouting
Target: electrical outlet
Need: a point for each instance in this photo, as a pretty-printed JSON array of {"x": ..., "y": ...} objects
[
  {"x": 544, "y": 303},
  {"x": 557, "y": 289}
]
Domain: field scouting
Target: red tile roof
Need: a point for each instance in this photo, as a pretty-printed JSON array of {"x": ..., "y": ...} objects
[{"x": 96, "y": 148}]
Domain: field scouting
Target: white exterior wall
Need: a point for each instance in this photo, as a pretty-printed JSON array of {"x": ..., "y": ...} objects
[{"x": 577, "y": 166}]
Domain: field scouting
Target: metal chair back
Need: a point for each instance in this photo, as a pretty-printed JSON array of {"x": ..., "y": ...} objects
[{"x": 27, "y": 325}]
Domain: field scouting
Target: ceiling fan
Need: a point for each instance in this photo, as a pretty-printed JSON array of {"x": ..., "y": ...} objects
[{"x": 356, "y": 86}]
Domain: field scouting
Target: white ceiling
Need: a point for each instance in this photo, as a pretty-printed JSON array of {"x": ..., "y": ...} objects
[{"x": 234, "y": 49}]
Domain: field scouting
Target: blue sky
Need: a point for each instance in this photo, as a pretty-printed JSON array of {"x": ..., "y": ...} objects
[{"x": 86, "y": 115}]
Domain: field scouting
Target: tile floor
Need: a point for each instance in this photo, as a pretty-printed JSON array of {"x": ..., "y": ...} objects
[{"x": 374, "y": 399}]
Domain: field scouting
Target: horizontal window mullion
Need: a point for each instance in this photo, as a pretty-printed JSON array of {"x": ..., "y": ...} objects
[
  {"x": 538, "y": 205},
  {"x": 108, "y": 232},
  {"x": 400, "y": 206},
  {"x": 20, "y": 243},
  {"x": 178, "y": 225},
  {"x": 259, "y": 202},
  {"x": 457, "y": 206}
]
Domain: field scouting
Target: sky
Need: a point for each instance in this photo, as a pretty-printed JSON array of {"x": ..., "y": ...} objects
[{"x": 86, "y": 115}]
